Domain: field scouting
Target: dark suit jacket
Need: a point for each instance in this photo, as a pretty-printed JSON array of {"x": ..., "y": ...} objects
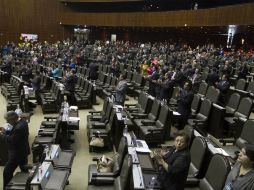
[
  {"x": 152, "y": 85},
  {"x": 223, "y": 86},
  {"x": 93, "y": 75},
  {"x": 184, "y": 102},
  {"x": 166, "y": 89},
  {"x": 175, "y": 177},
  {"x": 212, "y": 78},
  {"x": 71, "y": 82},
  {"x": 17, "y": 140}
]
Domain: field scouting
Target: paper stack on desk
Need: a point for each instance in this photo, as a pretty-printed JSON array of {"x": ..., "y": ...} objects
[
  {"x": 73, "y": 119},
  {"x": 143, "y": 148}
]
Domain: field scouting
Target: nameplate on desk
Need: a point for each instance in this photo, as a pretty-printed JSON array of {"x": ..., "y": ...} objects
[{"x": 133, "y": 153}]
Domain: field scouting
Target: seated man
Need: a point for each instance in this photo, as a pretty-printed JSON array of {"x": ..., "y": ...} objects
[{"x": 174, "y": 164}]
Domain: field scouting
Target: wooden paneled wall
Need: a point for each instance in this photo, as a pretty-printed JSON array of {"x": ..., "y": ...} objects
[
  {"x": 43, "y": 17},
  {"x": 238, "y": 14},
  {"x": 30, "y": 16}
]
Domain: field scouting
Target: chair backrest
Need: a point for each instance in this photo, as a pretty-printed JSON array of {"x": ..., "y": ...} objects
[
  {"x": 163, "y": 117},
  {"x": 195, "y": 103},
  {"x": 197, "y": 151},
  {"x": 240, "y": 85},
  {"x": 125, "y": 173},
  {"x": 250, "y": 87},
  {"x": 144, "y": 103},
  {"x": 108, "y": 80},
  {"x": 202, "y": 88},
  {"x": 105, "y": 105},
  {"x": 216, "y": 173},
  {"x": 122, "y": 150},
  {"x": 155, "y": 110},
  {"x": 233, "y": 101},
  {"x": 205, "y": 107},
  {"x": 139, "y": 79},
  {"x": 212, "y": 94},
  {"x": 244, "y": 107},
  {"x": 246, "y": 134}
]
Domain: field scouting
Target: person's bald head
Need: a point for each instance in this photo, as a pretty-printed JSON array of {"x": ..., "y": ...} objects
[{"x": 11, "y": 117}]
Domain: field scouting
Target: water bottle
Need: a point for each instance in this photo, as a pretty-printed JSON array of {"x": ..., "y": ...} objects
[{"x": 152, "y": 182}]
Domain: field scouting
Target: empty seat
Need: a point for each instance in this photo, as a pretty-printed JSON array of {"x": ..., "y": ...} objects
[
  {"x": 215, "y": 176},
  {"x": 202, "y": 89},
  {"x": 118, "y": 161},
  {"x": 212, "y": 94},
  {"x": 232, "y": 103},
  {"x": 246, "y": 136},
  {"x": 198, "y": 151}
]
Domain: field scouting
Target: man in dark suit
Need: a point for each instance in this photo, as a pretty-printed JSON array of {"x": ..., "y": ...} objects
[
  {"x": 212, "y": 77},
  {"x": 174, "y": 164},
  {"x": 223, "y": 86},
  {"x": 93, "y": 75},
  {"x": 153, "y": 81},
  {"x": 185, "y": 98},
  {"x": 70, "y": 83},
  {"x": 18, "y": 145},
  {"x": 36, "y": 84}
]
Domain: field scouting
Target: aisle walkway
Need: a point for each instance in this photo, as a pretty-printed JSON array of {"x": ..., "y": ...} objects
[{"x": 78, "y": 178}]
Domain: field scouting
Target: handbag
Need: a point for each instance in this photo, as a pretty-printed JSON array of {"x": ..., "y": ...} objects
[
  {"x": 97, "y": 142},
  {"x": 105, "y": 164}
]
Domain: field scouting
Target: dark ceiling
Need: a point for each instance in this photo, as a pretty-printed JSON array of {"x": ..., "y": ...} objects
[{"x": 146, "y": 5}]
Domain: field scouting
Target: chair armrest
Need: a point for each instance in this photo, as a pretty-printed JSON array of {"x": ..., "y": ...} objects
[
  {"x": 139, "y": 115},
  {"x": 102, "y": 180},
  {"x": 226, "y": 141},
  {"x": 94, "y": 112},
  {"x": 102, "y": 175},
  {"x": 148, "y": 122},
  {"x": 191, "y": 181},
  {"x": 98, "y": 125},
  {"x": 130, "y": 105},
  {"x": 155, "y": 130},
  {"x": 48, "y": 118}
]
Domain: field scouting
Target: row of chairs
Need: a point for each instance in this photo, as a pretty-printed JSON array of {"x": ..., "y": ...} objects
[
  {"x": 84, "y": 93},
  {"x": 51, "y": 99},
  {"x": 200, "y": 176},
  {"x": 12, "y": 92}
]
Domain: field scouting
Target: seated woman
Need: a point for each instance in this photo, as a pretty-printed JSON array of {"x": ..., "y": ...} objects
[
  {"x": 241, "y": 176},
  {"x": 174, "y": 164}
]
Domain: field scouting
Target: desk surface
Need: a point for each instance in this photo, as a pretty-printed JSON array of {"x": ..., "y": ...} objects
[{"x": 57, "y": 180}]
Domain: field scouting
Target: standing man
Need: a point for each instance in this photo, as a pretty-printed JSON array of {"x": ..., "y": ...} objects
[
  {"x": 18, "y": 145},
  {"x": 70, "y": 83},
  {"x": 121, "y": 89},
  {"x": 36, "y": 84}
]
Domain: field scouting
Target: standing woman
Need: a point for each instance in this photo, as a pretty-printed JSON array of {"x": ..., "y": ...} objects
[{"x": 241, "y": 176}]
